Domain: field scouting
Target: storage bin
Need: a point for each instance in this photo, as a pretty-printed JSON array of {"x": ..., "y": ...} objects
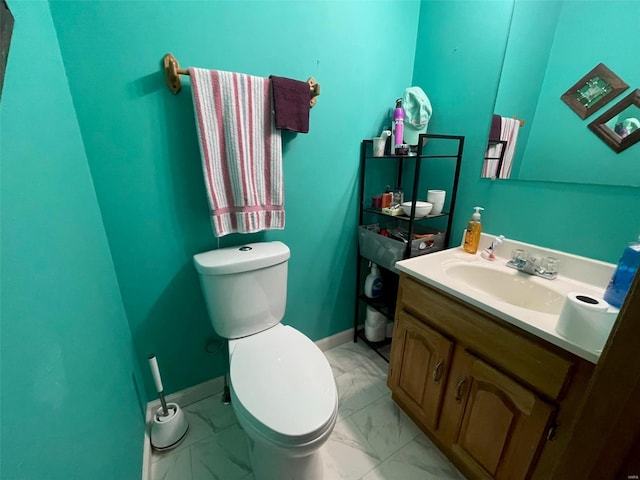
[{"x": 386, "y": 251}]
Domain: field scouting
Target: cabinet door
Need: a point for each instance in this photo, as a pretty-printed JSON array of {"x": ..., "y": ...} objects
[
  {"x": 418, "y": 368},
  {"x": 493, "y": 425}
]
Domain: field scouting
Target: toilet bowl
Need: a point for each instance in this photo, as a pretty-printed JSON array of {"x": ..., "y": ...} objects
[
  {"x": 282, "y": 387},
  {"x": 284, "y": 396}
]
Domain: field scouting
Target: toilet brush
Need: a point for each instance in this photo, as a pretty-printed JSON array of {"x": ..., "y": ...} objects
[{"x": 169, "y": 425}]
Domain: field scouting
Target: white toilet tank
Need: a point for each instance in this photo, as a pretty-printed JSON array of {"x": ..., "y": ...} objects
[{"x": 245, "y": 288}]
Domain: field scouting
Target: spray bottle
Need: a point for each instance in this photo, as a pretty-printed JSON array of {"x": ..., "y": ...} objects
[{"x": 398, "y": 121}]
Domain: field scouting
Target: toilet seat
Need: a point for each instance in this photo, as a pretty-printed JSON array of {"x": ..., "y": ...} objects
[{"x": 283, "y": 385}]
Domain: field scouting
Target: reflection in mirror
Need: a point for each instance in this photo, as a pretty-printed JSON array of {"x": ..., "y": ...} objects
[
  {"x": 501, "y": 147},
  {"x": 626, "y": 122},
  {"x": 6, "y": 28},
  {"x": 552, "y": 44},
  {"x": 619, "y": 127}
]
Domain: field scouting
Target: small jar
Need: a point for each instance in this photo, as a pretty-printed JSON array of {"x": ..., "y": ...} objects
[
  {"x": 398, "y": 196},
  {"x": 402, "y": 149},
  {"x": 376, "y": 201},
  {"x": 387, "y": 198}
]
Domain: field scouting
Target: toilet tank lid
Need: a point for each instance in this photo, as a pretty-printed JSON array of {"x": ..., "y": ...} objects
[{"x": 251, "y": 256}]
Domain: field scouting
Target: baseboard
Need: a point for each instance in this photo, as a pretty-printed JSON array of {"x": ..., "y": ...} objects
[
  {"x": 339, "y": 338},
  {"x": 146, "y": 450},
  {"x": 206, "y": 389}
]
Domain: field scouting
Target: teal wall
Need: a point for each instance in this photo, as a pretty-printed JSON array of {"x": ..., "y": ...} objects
[
  {"x": 69, "y": 407},
  {"x": 458, "y": 61},
  {"x": 142, "y": 149}
]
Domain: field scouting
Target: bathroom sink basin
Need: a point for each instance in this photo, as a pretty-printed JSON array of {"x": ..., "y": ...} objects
[
  {"x": 530, "y": 302},
  {"x": 509, "y": 286}
]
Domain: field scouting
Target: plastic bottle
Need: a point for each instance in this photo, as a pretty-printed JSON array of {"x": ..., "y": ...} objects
[
  {"x": 398, "y": 121},
  {"x": 373, "y": 283},
  {"x": 623, "y": 276},
  {"x": 472, "y": 233}
]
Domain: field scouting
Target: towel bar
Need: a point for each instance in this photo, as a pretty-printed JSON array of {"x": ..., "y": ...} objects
[{"x": 172, "y": 72}]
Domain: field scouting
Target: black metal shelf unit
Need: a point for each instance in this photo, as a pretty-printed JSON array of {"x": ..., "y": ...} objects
[{"x": 386, "y": 305}]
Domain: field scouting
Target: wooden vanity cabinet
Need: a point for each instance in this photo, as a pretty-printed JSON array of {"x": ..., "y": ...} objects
[
  {"x": 489, "y": 395},
  {"x": 492, "y": 424},
  {"x": 423, "y": 357}
]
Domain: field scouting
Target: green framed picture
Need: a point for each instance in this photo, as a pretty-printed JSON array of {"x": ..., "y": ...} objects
[{"x": 594, "y": 90}]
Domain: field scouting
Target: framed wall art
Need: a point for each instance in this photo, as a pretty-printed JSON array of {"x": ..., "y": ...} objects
[
  {"x": 594, "y": 90},
  {"x": 619, "y": 127}
]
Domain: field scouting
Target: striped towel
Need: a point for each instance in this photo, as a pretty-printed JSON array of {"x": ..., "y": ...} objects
[
  {"x": 241, "y": 151},
  {"x": 509, "y": 128}
]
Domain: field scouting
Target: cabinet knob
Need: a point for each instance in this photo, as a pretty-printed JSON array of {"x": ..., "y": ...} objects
[
  {"x": 460, "y": 389},
  {"x": 437, "y": 371}
]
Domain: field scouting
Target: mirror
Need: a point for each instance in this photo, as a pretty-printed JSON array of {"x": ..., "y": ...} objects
[
  {"x": 619, "y": 127},
  {"x": 6, "y": 28},
  {"x": 553, "y": 143}
]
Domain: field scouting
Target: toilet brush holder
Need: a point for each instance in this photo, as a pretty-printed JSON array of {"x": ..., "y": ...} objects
[
  {"x": 169, "y": 425},
  {"x": 168, "y": 431}
]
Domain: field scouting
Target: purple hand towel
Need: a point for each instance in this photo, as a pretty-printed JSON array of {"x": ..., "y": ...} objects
[
  {"x": 496, "y": 127},
  {"x": 291, "y": 104}
]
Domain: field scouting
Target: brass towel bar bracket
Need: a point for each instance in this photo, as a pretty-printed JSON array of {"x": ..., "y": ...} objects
[{"x": 172, "y": 72}]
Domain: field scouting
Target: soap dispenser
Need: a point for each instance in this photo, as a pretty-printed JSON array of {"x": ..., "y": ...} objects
[
  {"x": 373, "y": 283},
  {"x": 472, "y": 233}
]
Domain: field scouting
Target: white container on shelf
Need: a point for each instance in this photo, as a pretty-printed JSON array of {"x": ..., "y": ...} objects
[
  {"x": 436, "y": 197},
  {"x": 375, "y": 325}
]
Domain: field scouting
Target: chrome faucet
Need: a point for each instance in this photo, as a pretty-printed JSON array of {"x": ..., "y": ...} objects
[{"x": 547, "y": 267}]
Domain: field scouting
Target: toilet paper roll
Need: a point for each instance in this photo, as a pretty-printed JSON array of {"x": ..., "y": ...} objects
[
  {"x": 586, "y": 320},
  {"x": 374, "y": 318},
  {"x": 375, "y": 325}
]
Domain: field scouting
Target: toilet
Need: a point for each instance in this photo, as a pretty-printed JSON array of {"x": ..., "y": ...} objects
[{"x": 282, "y": 387}]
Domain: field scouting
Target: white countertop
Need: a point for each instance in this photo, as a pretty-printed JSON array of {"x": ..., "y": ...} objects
[{"x": 431, "y": 269}]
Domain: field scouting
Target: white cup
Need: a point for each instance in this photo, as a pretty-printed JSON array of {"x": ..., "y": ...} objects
[
  {"x": 436, "y": 197},
  {"x": 378, "y": 146}
]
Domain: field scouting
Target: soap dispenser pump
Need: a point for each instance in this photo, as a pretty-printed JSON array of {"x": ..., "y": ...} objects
[
  {"x": 472, "y": 233},
  {"x": 373, "y": 283}
]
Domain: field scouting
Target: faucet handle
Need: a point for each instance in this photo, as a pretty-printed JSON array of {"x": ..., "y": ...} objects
[
  {"x": 549, "y": 265},
  {"x": 519, "y": 257}
]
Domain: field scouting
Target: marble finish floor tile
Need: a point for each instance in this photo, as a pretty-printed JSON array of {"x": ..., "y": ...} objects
[
  {"x": 347, "y": 455},
  {"x": 359, "y": 388},
  {"x": 385, "y": 426},
  {"x": 173, "y": 466},
  {"x": 417, "y": 460},
  {"x": 224, "y": 457},
  {"x": 206, "y": 418},
  {"x": 349, "y": 356},
  {"x": 373, "y": 439}
]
